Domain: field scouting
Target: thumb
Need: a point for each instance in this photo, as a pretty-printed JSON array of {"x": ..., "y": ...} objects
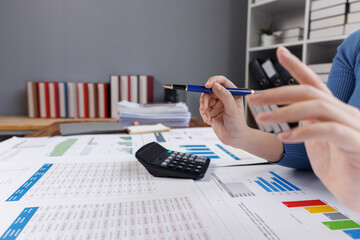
[{"x": 225, "y": 96}]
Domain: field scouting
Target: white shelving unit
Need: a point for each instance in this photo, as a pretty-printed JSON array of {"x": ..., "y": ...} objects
[{"x": 285, "y": 14}]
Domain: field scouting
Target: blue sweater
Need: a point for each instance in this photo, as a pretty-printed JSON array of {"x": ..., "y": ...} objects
[{"x": 344, "y": 82}]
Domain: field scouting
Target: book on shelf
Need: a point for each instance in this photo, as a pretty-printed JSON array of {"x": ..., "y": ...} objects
[
  {"x": 72, "y": 99},
  {"x": 354, "y": 7},
  {"x": 43, "y": 99},
  {"x": 114, "y": 94},
  {"x": 124, "y": 88},
  {"x": 327, "y": 32},
  {"x": 322, "y": 70},
  {"x": 146, "y": 89},
  {"x": 92, "y": 100},
  {"x": 353, "y": 17},
  {"x": 63, "y": 100},
  {"x": 134, "y": 88},
  {"x": 53, "y": 99},
  {"x": 351, "y": 27},
  {"x": 328, "y": 12},
  {"x": 319, "y": 4},
  {"x": 289, "y": 35},
  {"x": 32, "y": 99},
  {"x": 82, "y": 100},
  {"x": 328, "y": 22},
  {"x": 102, "y": 94}
]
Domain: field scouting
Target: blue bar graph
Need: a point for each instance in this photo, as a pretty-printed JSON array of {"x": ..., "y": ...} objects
[
  {"x": 20, "y": 192},
  {"x": 354, "y": 233},
  {"x": 19, "y": 224},
  {"x": 285, "y": 181},
  {"x": 193, "y": 146},
  {"x": 263, "y": 186},
  {"x": 200, "y": 153},
  {"x": 268, "y": 184},
  {"x": 278, "y": 184},
  {"x": 200, "y": 150},
  {"x": 282, "y": 184},
  {"x": 227, "y": 152}
]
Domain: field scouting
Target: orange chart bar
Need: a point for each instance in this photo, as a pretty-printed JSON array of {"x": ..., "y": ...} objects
[{"x": 320, "y": 209}]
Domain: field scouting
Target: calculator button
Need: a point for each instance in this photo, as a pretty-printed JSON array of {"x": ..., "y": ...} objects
[
  {"x": 171, "y": 165},
  {"x": 197, "y": 170},
  {"x": 164, "y": 164},
  {"x": 180, "y": 167},
  {"x": 169, "y": 151},
  {"x": 198, "y": 167}
]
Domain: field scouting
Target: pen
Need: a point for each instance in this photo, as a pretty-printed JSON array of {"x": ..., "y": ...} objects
[{"x": 198, "y": 88}]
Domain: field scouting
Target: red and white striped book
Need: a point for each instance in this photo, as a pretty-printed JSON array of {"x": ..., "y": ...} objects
[
  {"x": 32, "y": 99},
  {"x": 43, "y": 99},
  {"x": 124, "y": 88},
  {"x": 102, "y": 101},
  {"x": 82, "y": 100},
  {"x": 146, "y": 89},
  {"x": 72, "y": 99},
  {"x": 54, "y": 99}
]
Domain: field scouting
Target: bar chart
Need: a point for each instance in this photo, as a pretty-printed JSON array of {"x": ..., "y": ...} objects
[
  {"x": 276, "y": 183},
  {"x": 339, "y": 221},
  {"x": 200, "y": 150},
  {"x": 61, "y": 148}
]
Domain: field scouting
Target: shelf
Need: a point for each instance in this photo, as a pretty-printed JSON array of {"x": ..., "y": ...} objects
[
  {"x": 278, "y": 6},
  {"x": 264, "y": 48}
]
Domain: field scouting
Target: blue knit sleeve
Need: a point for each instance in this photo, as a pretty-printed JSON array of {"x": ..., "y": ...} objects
[{"x": 341, "y": 82}]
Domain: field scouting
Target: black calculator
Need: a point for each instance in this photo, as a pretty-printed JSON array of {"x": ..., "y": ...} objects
[{"x": 161, "y": 162}]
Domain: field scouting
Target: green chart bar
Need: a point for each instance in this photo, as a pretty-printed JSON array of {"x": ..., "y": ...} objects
[
  {"x": 341, "y": 225},
  {"x": 62, "y": 147}
]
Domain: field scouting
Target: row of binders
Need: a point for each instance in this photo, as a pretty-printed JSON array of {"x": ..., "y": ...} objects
[
  {"x": 270, "y": 73},
  {"x": 84, "y": 99},
  {"x": 330, "y": 18}
]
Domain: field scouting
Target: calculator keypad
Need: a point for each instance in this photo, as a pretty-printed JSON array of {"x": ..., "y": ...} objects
[{"x": 184, "y": 162}]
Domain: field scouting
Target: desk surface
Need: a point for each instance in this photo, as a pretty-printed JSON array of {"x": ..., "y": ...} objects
[
  {"x": 23, "y": 123},
  {"x": 54, "y": 128}
]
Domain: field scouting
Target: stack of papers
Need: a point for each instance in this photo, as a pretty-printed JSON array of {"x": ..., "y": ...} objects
[{"x": 169, "y": 114}]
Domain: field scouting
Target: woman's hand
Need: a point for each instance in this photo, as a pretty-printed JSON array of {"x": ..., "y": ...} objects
[
  {"x": 330, "y": 129},
  {"x": 224, "y": 112}
]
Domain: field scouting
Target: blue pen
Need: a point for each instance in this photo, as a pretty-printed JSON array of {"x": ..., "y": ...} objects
[{"x": 203, "y": 89}]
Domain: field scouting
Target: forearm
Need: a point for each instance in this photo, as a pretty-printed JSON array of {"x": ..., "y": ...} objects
[{"x": 262, "y": 144}]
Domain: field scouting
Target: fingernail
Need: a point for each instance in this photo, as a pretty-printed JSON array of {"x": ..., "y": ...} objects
[
  {"x": 285, "y": 135},
  {"x": 205, "y": 117},
  {"x": 218, "y": 87},
  {"x": 265, "y": 116}
]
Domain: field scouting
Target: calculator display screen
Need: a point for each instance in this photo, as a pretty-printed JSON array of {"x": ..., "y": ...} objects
[{"x": 152, "y": 152}]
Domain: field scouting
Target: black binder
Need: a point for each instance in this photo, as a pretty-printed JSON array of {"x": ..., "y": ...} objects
[
  {"x": 272, "y": 73},
  {"x": 258, "y": 73},
  {"x": 284, "y": 74}
]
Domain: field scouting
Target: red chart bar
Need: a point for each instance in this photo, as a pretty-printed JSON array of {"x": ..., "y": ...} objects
[{"x": 306, "y": 203}]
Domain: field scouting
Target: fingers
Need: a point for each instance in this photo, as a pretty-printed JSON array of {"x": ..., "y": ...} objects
[
  {"x": 342, "y": 136},
  {"x": 318, "y": 110},
  {"x": 221, "y": 80},
  {"x": 228, "y": 101},
  {"x": 299, "y": 70},
  {"x": 288, "y": 94}
]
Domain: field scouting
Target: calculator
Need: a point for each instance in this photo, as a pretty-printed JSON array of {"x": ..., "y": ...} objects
[{"x": 161, "y": 162}]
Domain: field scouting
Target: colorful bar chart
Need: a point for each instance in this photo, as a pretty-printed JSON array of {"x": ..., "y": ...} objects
[
  {"x": 62, "y": 147},
  {"x": 276, "y": 184},
  {"x": 340, "y": 221},
  {"x": 200, "y": 150},
  {"x": 125, "y": 144}
]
